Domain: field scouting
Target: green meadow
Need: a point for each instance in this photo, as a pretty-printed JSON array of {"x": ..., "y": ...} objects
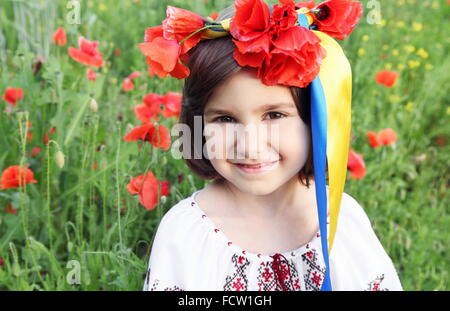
[{"x": 79, "y": 213}]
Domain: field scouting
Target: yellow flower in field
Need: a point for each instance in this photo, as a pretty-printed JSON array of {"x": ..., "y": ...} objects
[
  {"x": 394, "y": 99},
  {"x": 413, "y": 64},
  {"x": 361, "y": 52},
  {"x": 395, "y": 52},
  {"x": 410, "y": 48},
  {"x": 400, "y": 2},
  {"x": 435, "y": 5},
  {"x": 429, "y": 67},
  {"x": 400, "y": 66},
  {"x": 382, "y": 23},
  {"x": 409, "y": 106},
  {"x": 102, "y": 7},
  {"x": 388, "y": 66},
  {"x": 365, "y": 38},
  {"x": 417, "y": 26},
  {"x": 400, "y": 24},
  {"x": 385, "y": 47},
  {"x": 448, "y": 110},
  {"x": 422, "y": 53}
]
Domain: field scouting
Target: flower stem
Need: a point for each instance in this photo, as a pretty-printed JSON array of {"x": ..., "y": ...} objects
[{"x": 201, "y": 29}]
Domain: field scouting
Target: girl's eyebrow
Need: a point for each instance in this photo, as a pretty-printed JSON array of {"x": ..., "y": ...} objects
[{"x": 271, "y": 106}]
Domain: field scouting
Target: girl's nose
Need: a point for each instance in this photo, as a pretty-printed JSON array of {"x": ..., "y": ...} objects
[{"x": 252, "y": 141}]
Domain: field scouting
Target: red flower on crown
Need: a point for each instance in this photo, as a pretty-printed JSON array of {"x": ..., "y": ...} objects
[
  {"x": 338, "y": 18},
  {"x": 283, "y": 52}
]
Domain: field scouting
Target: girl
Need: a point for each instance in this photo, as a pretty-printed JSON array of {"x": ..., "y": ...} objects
[{"x": 263, "y": 222}]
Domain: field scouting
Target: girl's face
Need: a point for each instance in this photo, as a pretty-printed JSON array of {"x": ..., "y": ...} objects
[{"x": 247, "y": 122}]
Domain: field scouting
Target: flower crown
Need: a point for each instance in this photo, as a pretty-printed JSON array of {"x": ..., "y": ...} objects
[{"x": 284, "y": 52}]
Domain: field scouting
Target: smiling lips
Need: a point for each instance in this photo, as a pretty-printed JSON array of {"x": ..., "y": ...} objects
[{"x": 255, "y": 168}]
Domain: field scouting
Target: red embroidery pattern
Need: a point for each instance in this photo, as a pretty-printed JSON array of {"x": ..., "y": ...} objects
[
  {"x": 278, "y": 275},
  {"x": 375, "y": 284},
  {"x": 237, "y": 281}
]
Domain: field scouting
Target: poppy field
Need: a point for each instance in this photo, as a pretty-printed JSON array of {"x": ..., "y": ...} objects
[{"x": 86, "y": 169}]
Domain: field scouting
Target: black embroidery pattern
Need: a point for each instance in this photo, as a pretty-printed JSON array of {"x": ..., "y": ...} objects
[
  {"x": 237, "y": 281},
  {"x": 314, "y": 272}
]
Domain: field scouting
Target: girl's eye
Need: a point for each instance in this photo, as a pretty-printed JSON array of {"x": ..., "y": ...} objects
[
  {"x": 277, "y": 115},
  {"x": 223, "y": 119},
  {"x": 226, "y": 119}
]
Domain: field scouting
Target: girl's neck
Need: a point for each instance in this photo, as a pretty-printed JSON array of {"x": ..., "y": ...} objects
[{"x": 278, "y": 203}]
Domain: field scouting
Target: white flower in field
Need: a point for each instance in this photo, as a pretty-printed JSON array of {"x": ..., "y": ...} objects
[
  {"x": 93, "y": 105},
  {"x": 59, "y": 159}
]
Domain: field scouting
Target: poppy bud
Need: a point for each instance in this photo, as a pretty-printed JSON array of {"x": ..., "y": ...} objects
[
  {"x": 93, "y": 105},
  {"x": 163, "y": 199},
  {"x": 60, "y": 159}
]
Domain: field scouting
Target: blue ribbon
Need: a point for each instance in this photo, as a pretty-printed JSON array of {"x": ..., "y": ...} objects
[{"x": 319, "y": 145}]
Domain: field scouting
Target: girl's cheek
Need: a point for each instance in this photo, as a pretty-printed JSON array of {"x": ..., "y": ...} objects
[{"x": 217, "y": 143}]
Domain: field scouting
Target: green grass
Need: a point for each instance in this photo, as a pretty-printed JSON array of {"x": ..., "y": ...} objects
[{"x": 77, "y": 213}]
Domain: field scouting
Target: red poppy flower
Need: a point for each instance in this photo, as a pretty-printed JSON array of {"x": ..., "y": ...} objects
[
  {"x": 283, "y": 53},
  {"x": 296, "y": 58},
  {"x": 151, "y": 106},
  {"x": 172, "y": 105},
  {"x": 251, "y": 20},
  {"x": 35, "y": 151},
  {"x": 16, "y": 176},
  {"x": 127, "y": 85},
  {"x": 384, "y": 137},
  {"x": 10, "y": 209},
  {"x": 147, "y": 188},
  {"x": 374, "y": 140},
  {"x": 13, "y": 95},
  {"x": 134, "y": 75},
  {"x": 386, "y": 78},
  {"x": 356, "y": 165},
  {"x": 387, "y": 136},
  {"x": 162, "y": 55},
  {"x": 181, "y": 23},
  {"x": 338, "y": 18},
  {"x": 305, "y": 4},
  {"x": 59, "y": 37},
  {"x": 283, "y": 17},
  {"x": 164, "y": 188},
  {"x": 91, "y": 75},
  {"x": 159, "y": 137},
  {"x": 87, "y": 53}
]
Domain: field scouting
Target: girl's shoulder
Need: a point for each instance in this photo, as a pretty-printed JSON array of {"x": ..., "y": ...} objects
[{"x": 181, "y": 221}]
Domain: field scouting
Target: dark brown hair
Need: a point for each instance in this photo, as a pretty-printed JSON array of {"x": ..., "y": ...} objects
[{"x": 211, "y": 62}]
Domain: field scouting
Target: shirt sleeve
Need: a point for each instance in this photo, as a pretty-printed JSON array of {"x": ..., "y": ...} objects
[
  {"x": 162, "y": 266},
  {"x": 361, "y": 262}
]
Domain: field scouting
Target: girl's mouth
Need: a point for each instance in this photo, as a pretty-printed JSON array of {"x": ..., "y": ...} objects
[{"x": 255, "y": 168}]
